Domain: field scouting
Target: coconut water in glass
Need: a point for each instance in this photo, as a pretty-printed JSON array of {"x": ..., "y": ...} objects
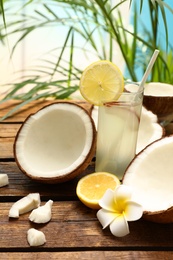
[{"x": 117, "y": 131}]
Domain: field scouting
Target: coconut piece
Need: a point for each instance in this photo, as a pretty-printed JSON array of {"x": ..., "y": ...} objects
[
  {"x": 35, "y": 237},
  {"x": 42, "y": 214},
  {"x": 150, "y": 176},
  {"x": 24, "y": 205},
  {"x": 3, "y": 179},
  {"x": 149, "y": 130},
  {"x": 56, "y": 143}
]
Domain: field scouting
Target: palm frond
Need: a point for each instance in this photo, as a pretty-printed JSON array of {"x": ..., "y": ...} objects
[
  {"x": 2, "y": 12},
  {"x": 99, "y": 24}
]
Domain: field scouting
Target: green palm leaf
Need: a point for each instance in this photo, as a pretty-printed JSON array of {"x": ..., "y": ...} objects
[{"x": 93, "y": 22}]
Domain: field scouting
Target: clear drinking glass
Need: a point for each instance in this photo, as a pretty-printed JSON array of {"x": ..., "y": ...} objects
[{"x": 117, "y": 130}]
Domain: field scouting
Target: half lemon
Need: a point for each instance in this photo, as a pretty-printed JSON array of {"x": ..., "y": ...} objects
[{"x": 91, "y": 188}]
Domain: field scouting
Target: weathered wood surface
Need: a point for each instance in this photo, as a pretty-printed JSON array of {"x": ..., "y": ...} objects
[
  {"x": 21, "y": 185},
  {"x": 88, "y": 255},
  {"x": 21, "y": 114},
  {"x": 75, "y": 226},
  {"x": 74, "y": 231}
]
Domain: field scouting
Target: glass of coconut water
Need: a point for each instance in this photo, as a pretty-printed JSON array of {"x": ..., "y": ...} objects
[{"x": 118, "y": 124}]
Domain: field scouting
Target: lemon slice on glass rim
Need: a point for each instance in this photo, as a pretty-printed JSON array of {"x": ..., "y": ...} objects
[{"x": 101, "y": 82}]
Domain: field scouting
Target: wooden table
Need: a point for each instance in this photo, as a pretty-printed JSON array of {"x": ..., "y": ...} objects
[{"x": 74, "y": 231}]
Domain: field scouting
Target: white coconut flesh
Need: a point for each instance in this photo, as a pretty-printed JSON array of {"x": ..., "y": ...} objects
[
  {"x": 155, "y": 89},
  {"x": 149, "y": 129},
  {"x": 54, "y": 141},
  {"x": 151, "y": 176},
  {"x": 158, "y": 89}
]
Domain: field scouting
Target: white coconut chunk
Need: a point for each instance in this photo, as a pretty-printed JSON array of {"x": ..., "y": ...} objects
[
  {"x": 42, "y": 214},
  {"x": 151, "y": 176},
  {"x": 149, "y": 129},
  {"x": 35, "y": 237},
  {"x": 24, "y": 205},
  {"x": 3, "y": 179},
  {"x": 54, "y": 141}
]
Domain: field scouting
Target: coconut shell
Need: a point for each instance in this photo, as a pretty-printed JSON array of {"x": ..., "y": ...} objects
[
  {"x": 161, "y": 106},
  {"x": 164, "y": 217}
]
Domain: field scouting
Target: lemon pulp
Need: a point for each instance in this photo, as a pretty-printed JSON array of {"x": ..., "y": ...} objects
[
  {"x": 91, "y": 188},
  {"x": 101, "y": 82}
]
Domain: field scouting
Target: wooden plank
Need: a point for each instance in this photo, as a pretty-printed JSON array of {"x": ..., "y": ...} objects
[
  {"x": 89, "y": 255},
  {"x": 7, "y": 136},
  {"x": 74, "y": 231},
  {"x": 6, "y": 148},
  {"x": 21, "y": 185},
  {"x": 75, "y": 226},
  {"x": 32, "y": 107},
  {"x": 8, "y": 130}
]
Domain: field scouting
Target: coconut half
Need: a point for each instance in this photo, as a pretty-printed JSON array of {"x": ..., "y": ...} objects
[
  {"x": 158, "y": 97},
  {"x": 150, "y": 175},
  {"x": 56, "y": 143}
]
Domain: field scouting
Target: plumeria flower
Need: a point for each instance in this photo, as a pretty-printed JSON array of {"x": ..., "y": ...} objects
[{"x": 117, "y": 209}]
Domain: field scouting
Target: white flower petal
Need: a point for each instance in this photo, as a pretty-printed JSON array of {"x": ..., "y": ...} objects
[
  {"x": 105, "y": 217},
  {"x": 123, "y": 193},
  {"x": 119, "y": 227},
  {"x": 107, "y": 201},
  {"x": 133, "y": 211}
]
